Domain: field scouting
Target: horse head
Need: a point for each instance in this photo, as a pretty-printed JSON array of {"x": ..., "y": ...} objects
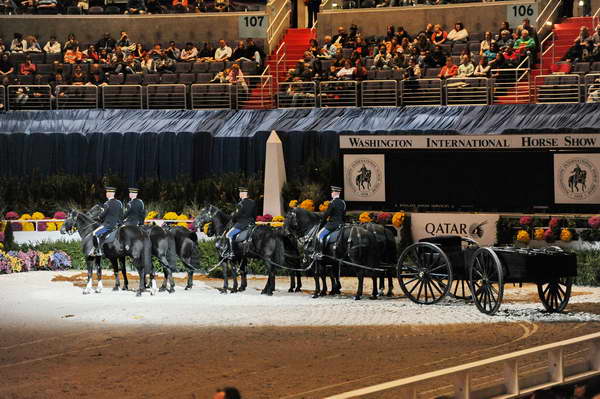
[
  {"x": 95, "y": 211},
  {"x": 70, "y": 224},
  {"x": 206, "y": 215}
]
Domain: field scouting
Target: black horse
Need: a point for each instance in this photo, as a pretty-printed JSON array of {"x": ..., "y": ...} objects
[
  {"x": 386, "y": 242},
  {"x": 186, "y": 248},
  {"x": 264, "y": 244},
  {"x": 163, "y": 248},
  {"x": 129, "y": 241},
  {"x": 355, "y": 244}
]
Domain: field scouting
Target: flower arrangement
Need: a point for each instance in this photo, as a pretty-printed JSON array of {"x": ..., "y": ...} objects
[
  {"x": 554, "y": 222},
  {"x": 192, "y": 227},
  {"x": 151, "y": 215},
  {"x": 28, "y": 226},
  {"x": 264, "y": 218},
  {"x": 25, "y": 216},
  {"x": 549, "y": 236},
  {"x": 277, "y": 224},
  {"x": 384, "y": 218},
  {"x": 308, "y": 205},
  {"x": 323, "y": 207},
  {"x": 526, "y": 221},
  {"x": 398, "y": 219},
  {"x": 278, "y": 219},
  {"x": 11, "y": 215},
  {"x": 538, "y": 234},
  {"x": 16, "y": 226},
  {"x": 594, "y": 222},
  {"x": 170, "y": 216},
  {"x": 20, "y": 261},
  {"x": 206, "y": 228},
  {"x": 523, "y": 236},
  {"x": 293, "y": 203},
  {"x": 60, "y": 215},
  {"x": 365, "y": 217},
  {"x": 37, "y": 216},
  {"x": 566, "y": 235}
]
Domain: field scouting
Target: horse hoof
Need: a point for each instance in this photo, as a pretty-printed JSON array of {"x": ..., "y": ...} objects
[
  {"x": 332, "y": 292},
  {"x": 97, "y": 291},
  {"x": 172, "y": 291},
  {"x": 125, "y": 288},
  {"x": 298, "y": 289},
  {"x": 315, "y": 296},
  {"x": 270, "y": 293},
  {"x": 242, "y": 289},
  {"x": 323, "y": 293},
  {"x": 139, "y": 293},
  {"x": 85, "y": 292},
  {"x": 291, "y": 290},
  {"x": 357, "y": 297},
  {"x": 389, "y": 294},
  {"x": 373, "y": 297},
  {"x": 162, "y": 289},
  {"x": 188, "y": 287},
  {"x": 234, "y": 290},
  {"x": 116, "y": 288}
]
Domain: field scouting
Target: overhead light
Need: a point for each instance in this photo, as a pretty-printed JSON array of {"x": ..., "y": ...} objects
[
  {"x": 549, "y": 23},
  {"x": 580, "y": 3}
]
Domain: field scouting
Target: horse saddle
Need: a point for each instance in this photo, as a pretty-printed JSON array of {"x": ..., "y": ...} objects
[
  {"x": 333, "y": 237},
  {"x": 111, "y": 236},
  {"x": 243, "y": 235}
]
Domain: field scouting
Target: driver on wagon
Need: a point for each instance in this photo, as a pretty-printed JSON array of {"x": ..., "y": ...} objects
[
  {"x": 333, "y": 219},
  {"x": 109, "y": 219},
  {"x": 244, "y": 216}
]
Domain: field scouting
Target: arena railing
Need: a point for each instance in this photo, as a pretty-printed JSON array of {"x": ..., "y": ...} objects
[
  {"x": 467, "y": 91},
  {"x": 592, "y": 88},
  {"x": 421, "y": 92},
  {"x": 556, "y": 89},
  {"x": 562, "y": 363},
  {"x": 279, "y": 12},
  {"x": 297, "y": 95},
  {"x": 166, "y": 96},
  {"x": 379, "y": 93},
  {"x": 511, "y": 86},
  {"x": 80, "y": 97},
  {"x": 255, "y": 93},
  {"x": 29, "y": 97},
  {"x": 338, "y": 94},
  {"x": 122, "y": 97},
  {"x": 3, "y": 103},
  {"x": 211, "y": 96}
]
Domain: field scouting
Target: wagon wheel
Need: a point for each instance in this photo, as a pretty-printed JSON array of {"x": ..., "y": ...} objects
[
  {"x": 424, "y": 273},
  {"x": 555, "y": 295},
  {"x": 460, "y": 289},
  {"x": 486, "y": 280}
]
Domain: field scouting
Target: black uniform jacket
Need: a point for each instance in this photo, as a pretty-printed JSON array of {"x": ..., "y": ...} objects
[
  {"x": 334, "y": 216},
  {"x": 135, "y": 213},
  {"x": 113, "y": 213},
  {"x": 245, "y": 214}
]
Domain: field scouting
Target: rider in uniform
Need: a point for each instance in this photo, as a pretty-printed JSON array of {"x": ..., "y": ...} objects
[
  {"x": 135, "y": 212},
  {"x": 333, "y": 219},
  {"x": 244, "y": 216},
  {"x": 109, "y": 219}
]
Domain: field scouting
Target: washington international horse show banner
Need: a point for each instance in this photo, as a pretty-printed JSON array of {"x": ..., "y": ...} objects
[
  {"x": 480, "y": 227},
  {"x": 577, "y": 178},
  {"x": 364, "y": 177},
  {"x": 464, "y": 142}
]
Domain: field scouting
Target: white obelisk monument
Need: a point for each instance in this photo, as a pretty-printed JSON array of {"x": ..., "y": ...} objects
[{"x": 274, "y": 176}]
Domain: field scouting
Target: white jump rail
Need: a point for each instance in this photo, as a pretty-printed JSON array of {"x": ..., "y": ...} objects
[{"x": 461, "y": 375}]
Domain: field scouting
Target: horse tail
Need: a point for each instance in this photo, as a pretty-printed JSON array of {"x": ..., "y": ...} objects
[
  {"x": 171, "y": 252},
  {"x": 147, "y": 254}
]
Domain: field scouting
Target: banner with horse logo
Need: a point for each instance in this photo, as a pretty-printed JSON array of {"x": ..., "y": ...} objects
[
  {"x": 576, "y": 178},
  {"x": 364, "y": 177}
]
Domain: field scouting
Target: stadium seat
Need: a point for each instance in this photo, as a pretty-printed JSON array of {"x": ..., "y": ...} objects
[
  {"x": 397, "y": 75},
  {"x": 249, "y": 68},
  {"x": 215, "y": 67},
  {"x": 133, "y": 79},
  {"x": 96, "y": 10},
  {"x": 42, "y": 79},
  {"x": 151, "y": 79},
  {"x": 112, "y": 10},
  {"x": 50, "y": 58},
  {"x": 168, "y": 78},
  {"x": 115, "y": 79},
  {"x": 16, "y": 59},
  {"x": 26, "y": 79},
  {"x": 446, "y": 48},
  {"x": 203, "y": 77},
  {"x": 372, "y": 74},
  {"x": 187, "y": 78},
  {"x": 581, "y": 68},
  {"x": 474, "y": 47},
  {"x": 595, "y": 67},
  {"x": 37, "y": 58},
  {"x": 183, "y": 67},
  {"x": 458, "y": 48},
  {"x": 432, "y": 72},
  {"x": 67, "y": 69},
  {"x": 73, "y": 10},
  {"x": 200, "y": 67},
  {"x": 476, "y": 36},
  {"x": 45, "y": 68},
  {"x": 384, "y": 74}
]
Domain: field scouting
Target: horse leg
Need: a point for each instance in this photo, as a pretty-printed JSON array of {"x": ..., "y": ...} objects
[
  {"x": 359, "y": 290},
  {"x": 292, "y": 282},
  {"x": 90, "y": 277},
  {"x": 243, "y": 270},
  {"x": 142, "y": 273},
  {"x": 324, "y": 281},
  {"x": 298, "y": 282},
  {"x": 374, "y": 291},
  {"x": 122, "y": 260},
  {"x": 99, "y": 273},
  {"x": 317, "y": 285},
  {"x": 225, "y": 282},
  {"x": 163, "y": 286},
  {"x": 234, "y": 273},
  {"x": 271, "y": 279},
  {"x": 190, "y": 281},
  {"x": 115, "y": 266},
  {"x": 390, "y": 291}
]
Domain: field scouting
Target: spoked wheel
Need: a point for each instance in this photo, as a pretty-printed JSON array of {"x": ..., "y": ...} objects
[
  {"x": 460, "y": 289},
  {"x": 555, "y": 294},
  {"x": 486, "y": 281},
  {"x": 424, "y": 273}
]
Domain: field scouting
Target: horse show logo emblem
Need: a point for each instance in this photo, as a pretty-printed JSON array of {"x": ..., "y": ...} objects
[
  {"x": 364, "y": 177},
  {"x": 578, "y": 178}
]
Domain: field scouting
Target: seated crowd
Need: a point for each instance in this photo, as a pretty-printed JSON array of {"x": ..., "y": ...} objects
[
  {"x": 400, "y": 3},
  {"x": 433, "y": 52},
  {"x": 130, "y": 7},
  {"x": 116, "y": 61}
]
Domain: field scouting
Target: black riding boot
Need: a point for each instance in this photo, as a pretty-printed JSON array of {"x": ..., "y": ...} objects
[
  {"x": 318, "y": 250},
  {"x": 229, "y": 253},
  {"x": 97, "y": 246}
]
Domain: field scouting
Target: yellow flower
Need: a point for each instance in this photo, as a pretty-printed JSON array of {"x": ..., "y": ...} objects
[
  {"x": 523, "y": 236},
  {"x": 151, "y": 215},
  {"x": 182, "y": 224},
  {"x": 308, "y": 204},
  {"x": 38, "y": 216},
  {"x": 277, "y": 224},
  {"x": 170, "y": 216},
  {"x": 398, "y": 219},
  {"x": 278, "y": 219},
  {"x": 365, "y": 217},
  {"x": 44, "y": 259},
  {"x": 206, "y": 227},
  {"x": 293, "y": 203},
  {"x": 58, "y": 225},
  {"x": 538, "y": 234},
  {"x": 323, "y": 207},
  {"x": 566, "y": 235},
  {"x": 51, "y": 226},
  {"x": 183, "y": 216},
  {"x": 1, "y": 245},
  {"x": 25, "y": 216},
  {"x": 28, "y": 226}
]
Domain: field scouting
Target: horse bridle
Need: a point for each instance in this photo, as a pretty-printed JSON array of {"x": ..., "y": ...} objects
[
  {"x": 73, "y": 227},
  {"x": 308, "y": 237}
]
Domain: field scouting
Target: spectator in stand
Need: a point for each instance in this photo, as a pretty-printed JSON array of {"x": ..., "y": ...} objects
[
  {"x": 135, "y": 7},
  {"x": 28, "y": 67},
  {"x": 223, "y": 52},
  {"x": 6, "y": 69},
  {"x": 339, "y": 60},
  {"x": 207, "y": 53},
  {"x": 254, "y": 51},
  {"x": 46, "y": 6},
  {"x": 148, "y": 65},
  {"x": 524, "y": 45},
  {"x": 436, "y": 58},
  {"x": 236, "y": 76},
  {"x": 90, "y": 55},
  {"x": 121, "y": 66},
  {"x": 18, "y": 45},
  {"x": 329, "y": 49},
  {"x": 78, "y": 77},
  {"x": 527, "y": 26},
  {"x": 71, "y": 42},
  {"x": 392, "y": 46},
  {"x": 173, "y": 52},
  {"x": 83, "y": 5},
  {"x": 449, "y": 70},
  {"x": 482, "y": 70},
  {"x": 139, "y": 52},
  {"x": 165, "y": 65},
  {"x": 596, "y": 44},
  {"x": 312, "y": 6},
  {"x": 7, "y": 7},
  {"x": 72, "y": 55},
  {"x": 341, "y": 38},
  {"x": 240, "y": 54},
  {"x": 505, "y": 41},
  {"x": 413, "y": 71},
  {"x": 382, "y": 59},
  {"x": 423, "y": 44},
  {"x": 347, "y": 71},
  {"x": 156, "y": 52},
  {"x": 486, "y": 43},
  {"x": 401, "y": 34},
  {"x": 459, "y": 34},
  {"x": 360, "y": 72},
  {"x": 428, "y": 31},
  {"x": 466, "y": 67},
  {"x": 2, "y": 46},
  {"x": 498, "y": 63},
  {"x": 505, "y": 26},
  {"x": 180, "y": 5},
  {"x": 123, "y": 41},
  {"x": 32, "y": 45},
  {"x": 97, "y": 79},
  {"x": 490, "y": 54},
  {"x": 104, "y": 57},
  {"x": 26, "y": 6},
  {"x": 189, "y": 53},
  {"x": 313, "y": 47},
  {"x": 106, "y": 43},
  {"x": 52, "y": 46},
  {"x": 227, "y": 393},
  {"x": 438, "y": 36},
  {"x": 582, "y": 48},
  {"x": 57, "y": 80},
  {"x": 361, "y": 47},
  {"x": 154, "y": 7},
  {"x": 390, "y": 33}
]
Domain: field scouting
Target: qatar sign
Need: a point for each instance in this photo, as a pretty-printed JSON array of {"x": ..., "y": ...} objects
[{"x": 480, "y": 227}]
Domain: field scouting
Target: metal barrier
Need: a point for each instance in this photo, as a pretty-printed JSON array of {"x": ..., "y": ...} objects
[
  {"x": 211, "y": 96},
  {"x": 511, "y": 86},
  {"x": 338, "y": 94},
  {"x": 379, "y": 93},
  {"x": 3, "y": 104},
  {"x": 552, "y": 89},
  {"x": 166, "y": 96},
  {"x": 467, "y": 91},
  {"x": 256, "y": 92},
  {"x": 70, "y": 97},
  {"x": 563, "y": 362},
  {"x": 421, "y": 92},
  {"x": 29, "y": 97},
  {"x": 592, "y": 88},
  {"x": 297, "y": 95},
  {"x": 122, "y": 97}
]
